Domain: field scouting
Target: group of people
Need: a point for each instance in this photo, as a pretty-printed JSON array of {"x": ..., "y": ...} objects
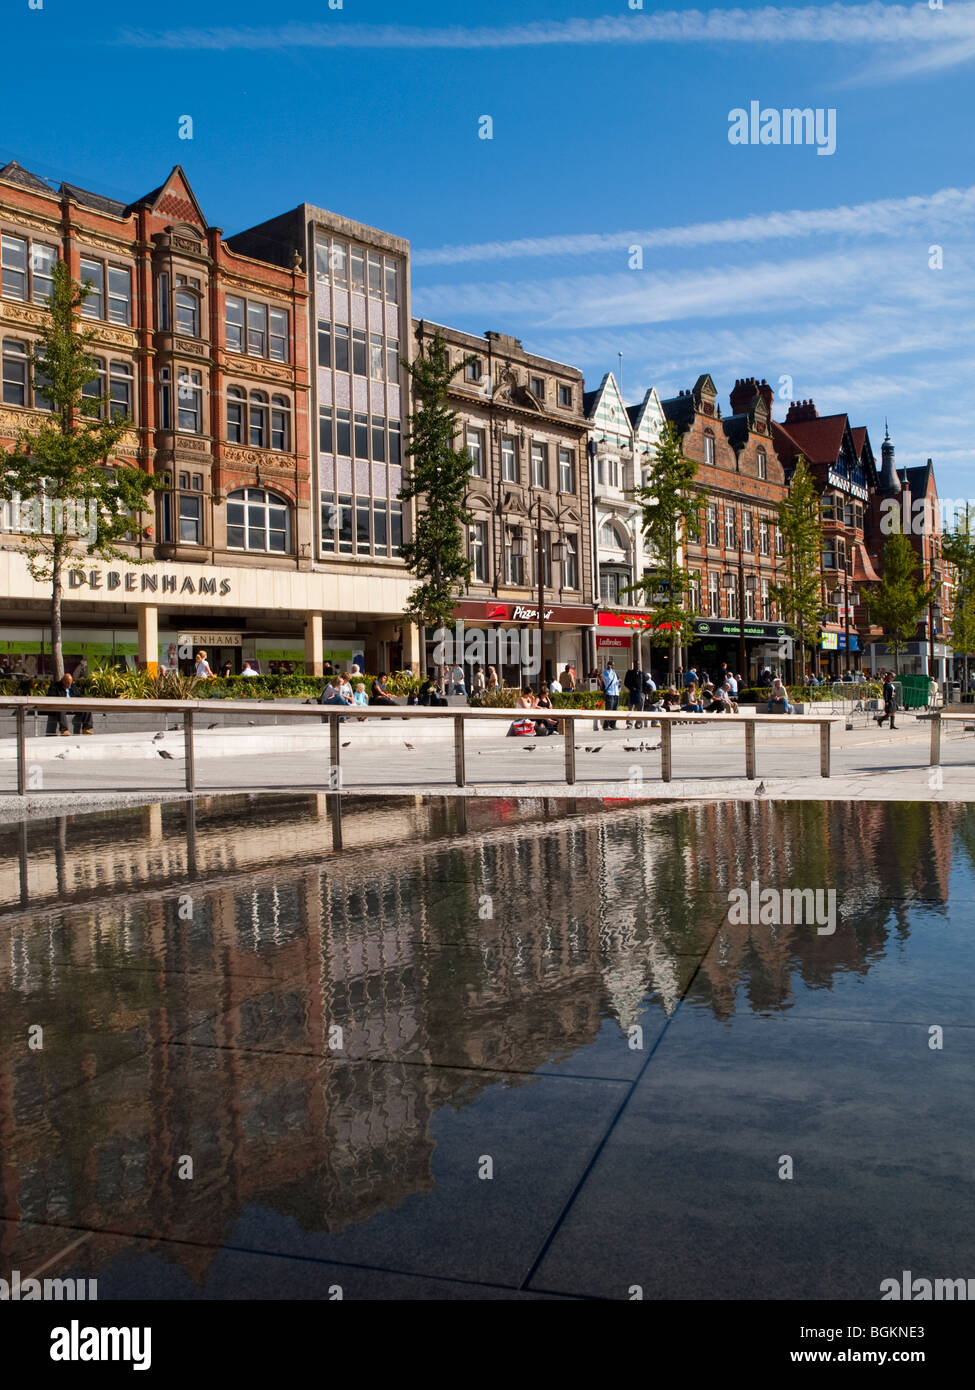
[
  {"x": 206, "y": 673},
  {"x": 339, "y": 691}
]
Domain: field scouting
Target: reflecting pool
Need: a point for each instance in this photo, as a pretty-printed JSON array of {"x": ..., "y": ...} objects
[{"x": 284, "y": 1046}]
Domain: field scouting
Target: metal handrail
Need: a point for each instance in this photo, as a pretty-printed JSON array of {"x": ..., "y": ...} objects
[{"x": 188, "y": 709}]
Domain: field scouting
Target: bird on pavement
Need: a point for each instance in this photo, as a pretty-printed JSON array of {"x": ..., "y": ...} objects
[
  {"x": 163, "y": 754},
  {"x": 760, "y": 789},
  {"x": 597, "y": 749},
  {"x": 212, "y": 726},
  {"x": 632, "y": 748},
  {"x": 410, "y": 746},
  {"x": 530, "y": 748},
  {"x": 157, "y": 737},
  {"x": 346, "y": 743}
]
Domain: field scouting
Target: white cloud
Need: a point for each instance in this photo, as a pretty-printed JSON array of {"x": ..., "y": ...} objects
[{"x": 871, "y": 23}]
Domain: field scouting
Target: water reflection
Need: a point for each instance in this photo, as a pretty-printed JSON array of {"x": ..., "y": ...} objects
[{"x": 294, "y": 1009}]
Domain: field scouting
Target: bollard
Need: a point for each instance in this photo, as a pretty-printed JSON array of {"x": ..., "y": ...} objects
[
  {"x": 460, "y": 771},
  {"x": 750, "y": 750},
  {"x": 188, "y": 750},
  {"x": 825, "y": 730}
]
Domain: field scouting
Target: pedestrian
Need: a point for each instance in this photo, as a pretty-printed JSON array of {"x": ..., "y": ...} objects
[
  {"x": 248, "y": 669},
  {"x": 478, "y": 681},
  {"x": 492, "y": 679},
  {"x": 633, "y": 680},
  {"x": 611, "y": 689},
  {"x": 890, "y": 700},
  {"x": 203, "y": 666},
  {"x": 457, "y": 680},
  {"x": 555, "y": 686},
  {"x": 58, "y": 721},
  {"x": 568, "y": 678},
  {"x": 332, "y": 695},
  {"x": 226, "y": 670}
]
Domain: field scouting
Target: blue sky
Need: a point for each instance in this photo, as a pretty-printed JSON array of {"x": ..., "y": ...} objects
[{"x": 610, "y": 130}]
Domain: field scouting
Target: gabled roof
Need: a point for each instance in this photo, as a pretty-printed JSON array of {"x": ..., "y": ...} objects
[
  {"x": 16, "y": 173},
  {"x": 650, "y": 405},
  {"x": 917, "y": 478},
  {"x": 609, "y": 391},
  {"x": 173, "y": 198},
  {"x": 821, "y": 440}
]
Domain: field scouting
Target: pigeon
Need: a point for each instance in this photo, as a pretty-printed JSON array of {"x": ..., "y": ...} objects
[
  {"x": 157, "y": 737},
  {"x": 346, "y": 743},
  {"x": 211, "y": 726},
  {"x": 760, "y": 789},
  {"x": 632, "y": 748},
  {"x": 64, "y": 754},
  {"x": 410, "y": 746},
  {"x": 594, "y": 750},
  {"x": 252, "y": 723},
  {"x": 530, "y": 748},
  {"x": 163, "y": 754}
]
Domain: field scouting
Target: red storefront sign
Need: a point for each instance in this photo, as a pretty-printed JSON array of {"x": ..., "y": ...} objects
[{"x": 503, "y": 611}]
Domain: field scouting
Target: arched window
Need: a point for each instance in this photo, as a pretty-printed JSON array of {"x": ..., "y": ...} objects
[
  {"x": 258, "y": 520},
  {"x": 235, "y": 415},
  {"x": 280, "y": 422},
  {"x": 257, "y": 417}
]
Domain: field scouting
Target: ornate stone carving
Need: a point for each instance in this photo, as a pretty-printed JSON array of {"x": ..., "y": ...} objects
[
  {"x": 49, "y": 226},
  {"x": 17, "y": 420},
  {"x": 283, "y": 463},
  {"x": 120, "y": 337},
  {"x": 23, "y": 313},
  {"x": 189, "y": 444},
  {"x": 182, "y": 243},
  {"x": 187, "y": 345},
  {"x": 114, "y": 248}
]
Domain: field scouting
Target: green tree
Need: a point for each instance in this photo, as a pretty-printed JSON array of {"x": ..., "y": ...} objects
[
  {"x": 62, "y": 492},
  {"x": 901, "y": 599},
  {"x": 437, "y": 476},
  {"x": 799, "y": 594},
  {"x": 671, "y": 503},
  {"x": 958, "y": 549}
]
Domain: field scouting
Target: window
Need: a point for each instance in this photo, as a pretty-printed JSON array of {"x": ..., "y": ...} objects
[
  {"x": 750, "y": 604},
  {"x": 747, "y": 531},
  {"x": 257, "y": 329},
  {"x": 567, "y": 471},
  {"x": 509, "y": 459},
  {"x": 361, "y": 435},
  {"x": 257, "y": 420},
  {"x": 339, "y": 261},
  {"x": 324, "y": 343},
  {"x": 378, "y": 439},
  {"x": 766, "y": 603},
  {"x": 779, "y": 542},
  {"x": 358, "y": 271},
  {"x": 341, "y": 348},
  {"x": 472, "y": 370},
  {"x": 396, "y": 526},
  {"x": 120, "y": 391},
  {"x": 187, "y": 313},
  {"x": 829, "y": 553},
  {"x": 189, "y": 514},
  {"x": 565, "y": 397},
  {"x": 235, "y": 415},
  {"x": 162, "y": 301},
  {"x": 278, "y": 335},
  {"x": 375, "y": 276},
  {"x": 475, "y": 450},
  {"x": 189, "y": 413},
  {"x": 608, "y": 471},
  {"x": 377, "y": 355},
  {"x": 539, "y": 465},
  {"x": 730, "y": 527},
  {"x": 258, "y": 520},
  {"x": 392, "y": 282},
  {"x": 762, "y": 464},
  {"x": 165, "y": 400},
  {"x": 858, "y": 517},
  {"x": 709, "y": 448},
  {"x": 828, "y": 512},
  {"x": 326, "y": 438},
  {"x": 848, "y": 514},
  {"x": 93, "y": 392},
  {"x": 514, "y": 565},
  {"x": 280, "y": 423},
  {"x": 764, "y": 536},
  {"x": 694, "y": 593},
  {"x": 395, "y": 452},
  {"x": 343, "y": 433},
  {"x": 43, "y": 259},
  {"x": 392, "y": 359},
  {"x": 478, "y": 551},
  {"x": 322, "y": 258},
  {"x": 731, "y": 589},
  {"x": 359, "y": 352},
  {"x": 14, "y": 372},
  {"x": 13, "y": 259},
  {"x": 362, "y": 533},
  {"x": 119, "y": 294},
  {"x": 714, "y": 595},
  {"x": 380, "y": 528},
  {"x": 93, "y": 274},
  {"x": 547, "y": 541},
  {"x": 538, "y": 387},
  {"x": 234, "y": 323},
  {"x": 570, "y": 564},
  {"x": 841, "y": 554},
  {"x": 40, "y": 381},
  {"x": 711, "y": 515},
  {"x": 609, "y": 586}
]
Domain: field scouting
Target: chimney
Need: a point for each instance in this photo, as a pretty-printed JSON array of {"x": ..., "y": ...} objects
[
  {"x": 800, "y": 411},
  {"x": 765, "y": 391},
  {"x": 745, "y": 391}
]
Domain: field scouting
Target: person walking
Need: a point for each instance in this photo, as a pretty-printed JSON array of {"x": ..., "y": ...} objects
[
  {"x": 457, "y": 682},
  {"x": 611, "y": 689},
  {"x": 492, "y": 679},
  {"x": 633, "y": 680},
  {"x": 890, "y": 701},
  {"x": 478, "y": 681},
  {"x": 203, "y": 666},
  {"x": 568, "y": 679},
  {"x": 57, "y": 721}
]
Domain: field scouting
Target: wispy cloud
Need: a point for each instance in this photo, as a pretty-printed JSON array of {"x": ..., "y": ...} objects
[
  {"x": 885, "y": 217},
  {"x": 871, "y": 23}
]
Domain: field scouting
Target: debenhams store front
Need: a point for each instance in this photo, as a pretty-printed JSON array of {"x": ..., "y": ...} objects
[{"x": 127, "y": 615}]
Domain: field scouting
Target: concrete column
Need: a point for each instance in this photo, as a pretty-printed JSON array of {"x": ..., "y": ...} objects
[
  {"x": 313, "y": 644},
  {"x": 149, "y": 638},
  {"x": 411, "y": 647}
]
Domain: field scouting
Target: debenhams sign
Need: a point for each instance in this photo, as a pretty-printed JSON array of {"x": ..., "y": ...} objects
[{"x": 141, "y": 582}]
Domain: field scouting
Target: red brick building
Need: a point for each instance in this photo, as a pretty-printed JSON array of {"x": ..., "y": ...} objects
[
  {"x": 735, "y": 560},
  {"x": 205, "y": 349}
]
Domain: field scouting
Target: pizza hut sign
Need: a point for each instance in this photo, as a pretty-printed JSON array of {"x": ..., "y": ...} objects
[{"x": 528, "y": 615}]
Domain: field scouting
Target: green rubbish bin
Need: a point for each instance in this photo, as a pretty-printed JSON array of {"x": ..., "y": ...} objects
[{"x": 917, "y": 691}]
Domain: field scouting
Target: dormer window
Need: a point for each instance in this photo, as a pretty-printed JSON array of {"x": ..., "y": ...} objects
[{"x": 709, "y": 448}]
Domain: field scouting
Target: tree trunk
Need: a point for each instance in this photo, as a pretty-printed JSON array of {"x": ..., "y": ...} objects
[{"x": 57, "y": 654}]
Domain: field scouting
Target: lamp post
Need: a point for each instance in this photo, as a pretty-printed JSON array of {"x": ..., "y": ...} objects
[{"x": 520, "y": 547}]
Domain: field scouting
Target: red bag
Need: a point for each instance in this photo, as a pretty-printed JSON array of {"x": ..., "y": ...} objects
[{"x": 522, "y": 728}]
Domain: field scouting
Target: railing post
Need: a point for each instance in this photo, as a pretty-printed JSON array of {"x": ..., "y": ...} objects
[
  {"x": 460, "y": 772},
  {"x": 570, "y": 752},
  {"x": 188, "y": 750},
  {"x": 825, "y": 731},
  {"x": 666, "y": 757},
  {"x": 334, "y": 754},
  {"x": 750, "y": 750},
  {"x": 936, "y": 740},
  {"x": 21, "y": 751}
]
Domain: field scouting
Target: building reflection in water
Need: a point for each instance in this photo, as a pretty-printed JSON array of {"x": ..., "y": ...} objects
[{"x": 190, "y": 968}]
